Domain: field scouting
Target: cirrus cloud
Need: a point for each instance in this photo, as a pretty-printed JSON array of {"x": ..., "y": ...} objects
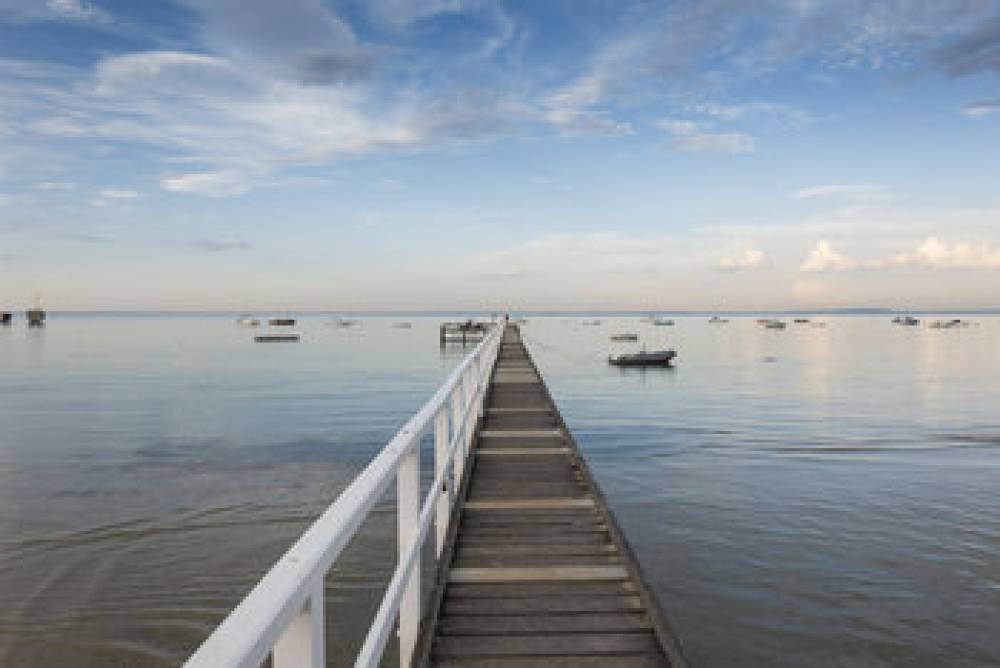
[
  {"x": 855, "y": 191},
  {"x": 697, "y": 138}
]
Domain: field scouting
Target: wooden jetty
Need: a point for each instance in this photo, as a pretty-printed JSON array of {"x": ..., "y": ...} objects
[
  {"x": 463, "y": 332},
  {"x": 531, "y": 567},
  {"x": 536, "y": 571}
]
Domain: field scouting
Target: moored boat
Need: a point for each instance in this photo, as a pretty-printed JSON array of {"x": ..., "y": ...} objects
[
  {"x": 625, "y": 337},
  {"x": 948, "y": 324},
  {"x": 907, "y": 320},
  {"x": 6, "y": 317},
  {"x": 281, "y": 322},
  {"x": 775, "y": 324},
  {"x": 36, "y": 317},
  {"x": 277, "y": 338},
  {"x": 716, "y": 320},
  {"x": 644, "y": 358},
  {"x": 663, "y": 322},
  {"x": 247, "y": 320}
]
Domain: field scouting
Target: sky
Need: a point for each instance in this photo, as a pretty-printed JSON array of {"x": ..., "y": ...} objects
[{"x": 478, "y": 154}]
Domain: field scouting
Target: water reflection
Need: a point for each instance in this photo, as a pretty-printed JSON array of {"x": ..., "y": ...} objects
[
  {"x": 828, "y": 506},
  {"x": 804, "y": 511}
]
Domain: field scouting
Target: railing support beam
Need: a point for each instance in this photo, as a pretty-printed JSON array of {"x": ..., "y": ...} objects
[
  {"x": 303, "y": 644},
  {"x": 444, "y": 496},
  {"x": 408, "y": 514}
]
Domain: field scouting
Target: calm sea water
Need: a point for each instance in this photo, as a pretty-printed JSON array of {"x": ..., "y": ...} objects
[{"x": 801, "y": 497}]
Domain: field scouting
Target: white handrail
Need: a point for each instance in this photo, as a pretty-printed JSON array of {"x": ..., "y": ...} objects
[{"x": 283, "y": 614}]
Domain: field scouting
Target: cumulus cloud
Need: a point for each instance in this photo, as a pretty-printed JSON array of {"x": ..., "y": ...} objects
[
  {"x": 931, "y": 253},
  {"x": 696, "y": 138},
  {"x": 936, "y": 254},
  {"x": 824, "y": 258},
  {"x": 749, "y": 259},
  {"x": 856, "y": 191}
]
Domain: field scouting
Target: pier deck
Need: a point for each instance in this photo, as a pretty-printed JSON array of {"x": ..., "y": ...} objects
[{"x": 535, "y": 571}]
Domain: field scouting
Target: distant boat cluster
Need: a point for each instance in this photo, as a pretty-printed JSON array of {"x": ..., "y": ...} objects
[
  {"x": 910, "y": 321},
  {"x": 34, "y": 316}
]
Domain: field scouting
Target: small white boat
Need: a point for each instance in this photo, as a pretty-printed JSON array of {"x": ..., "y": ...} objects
[
  {"x": 908, "y": 321},
  {"x": 663, "y": 322},
  {"x": 402, "y": 325},
  {"x": 248, "y": 321},
  {"x": 344, "y": 322},
  {"x": 716, "y": 320},
  {"x": 592, "y": 323},
  {"x": 949, "y": 324}
]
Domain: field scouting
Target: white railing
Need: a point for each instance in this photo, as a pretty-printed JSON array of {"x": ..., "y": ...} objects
[{"x": 284, "y": 614}]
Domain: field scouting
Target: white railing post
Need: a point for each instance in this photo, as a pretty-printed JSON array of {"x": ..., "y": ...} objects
[
  {"x": 303, "y": 643},
  {"x": 444, "y": 496},
  {"x": 283, "y": 616},
  {"x": 470, "y": 396},
  {"x": 456, "y": 426},
  {"x": 407, "y": 514}
]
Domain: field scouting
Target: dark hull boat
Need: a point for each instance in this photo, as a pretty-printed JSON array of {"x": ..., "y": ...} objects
[
  {"x": 6, "y": 318},
  {"x": 36, "y": 317},
  {"x": 655, "y": 358},
  {"x": 281, "y": 322},
  {"x": 276, "y": 338}
]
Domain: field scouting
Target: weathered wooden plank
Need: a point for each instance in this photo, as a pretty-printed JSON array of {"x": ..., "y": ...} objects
[
  {"x": 530, "y": 504},
  {"x": 565, "y": 644},
  {"x": 521, "y": 433},
  {"x": 511, "y": 550},
  {"x": 533, "y": 452},
  {"x": 543, "y": 605},
  {"x": 592, "y": 622},
  {"x": 516, "y": 560},
  {"x": 550, "y": 524},
  {"x": 529, "y": 574},
  {"x": 540, "y": 589},
  {"x": 649, "y": 660}
]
